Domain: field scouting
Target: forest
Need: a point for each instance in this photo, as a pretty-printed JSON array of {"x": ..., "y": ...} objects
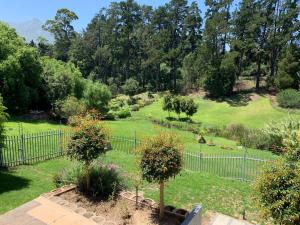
[{"x": 131, "y": 48}]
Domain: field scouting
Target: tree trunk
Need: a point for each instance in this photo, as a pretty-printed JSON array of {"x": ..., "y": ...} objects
[{"x": 161, "y": 201}]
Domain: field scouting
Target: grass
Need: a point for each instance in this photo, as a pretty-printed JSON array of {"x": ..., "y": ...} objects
[
  {"x": 25, "y": 183},
  {"x": 255, "y": 113}
]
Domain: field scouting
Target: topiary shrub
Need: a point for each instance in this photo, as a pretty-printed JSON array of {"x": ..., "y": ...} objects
[
  {"x": 278, "y": 192},
  {"x": 289, "y": 98},
  {"x": 161, "y": 159},
  {"x": 89, "y": 140}
]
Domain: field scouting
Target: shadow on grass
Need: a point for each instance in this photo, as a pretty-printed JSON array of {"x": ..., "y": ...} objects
[
  {"x": 241, "y": 98},
  {"x": 11, "y": 182}
]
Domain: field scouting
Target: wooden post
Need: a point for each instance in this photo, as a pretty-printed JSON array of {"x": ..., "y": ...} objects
[{"x": 161, "y": 201}]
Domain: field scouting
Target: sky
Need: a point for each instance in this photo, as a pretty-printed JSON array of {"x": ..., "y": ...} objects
[{"x": 16, "y": 11}]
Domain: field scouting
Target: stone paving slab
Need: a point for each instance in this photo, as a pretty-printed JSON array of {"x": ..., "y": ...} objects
[{"x": 220, "y": 219}]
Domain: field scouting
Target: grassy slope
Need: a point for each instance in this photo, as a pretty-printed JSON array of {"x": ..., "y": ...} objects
[{"x": 254, "y": 114}]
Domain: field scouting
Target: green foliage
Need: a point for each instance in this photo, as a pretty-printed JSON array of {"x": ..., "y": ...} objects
[
  {"x": 123, "y": 113},
  {"x": 131, "y": 87},
  {"x": 63, "y": 31},
  {"x": 89, "y": 140},
  {"x": 106, "y": 180},
  {"x": 288, "y": 69},
  {"x": 61, "y": 80},
  {"x": 177, "y": 106},
  {"x": 20, "y": 71},
  {"x": 161, "y": 157},
  {"x": 168, "y": 103},
  {"x": 278, "y": 192},
  {"x": 278, "y": 131},
  {"x": 97, "y": 96},
  {"x": 68, "y": 107},
  {"x": 221, "y": 80},
  {"x": 289, "y": 98},
  {"x": 3, "y": 118},
  {"x": 191, "y": 107}
]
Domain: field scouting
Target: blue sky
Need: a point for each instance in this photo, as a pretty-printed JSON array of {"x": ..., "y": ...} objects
[{"x": 24, "y": 10}]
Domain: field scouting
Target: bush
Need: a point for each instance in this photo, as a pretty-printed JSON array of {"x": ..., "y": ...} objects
[
  {"x": 190, "y": 107},
  {"x": 135, "y": 107},
  {"x": 168, "y": 103},
  {"x": 71, "y": 106},
  {"x": 97, "y": 96},
  {"x": 161, "y": 159},
  {"x": 124, "y": 113},
  {"x": 106, "y": 180},
  {"x": 131, "y": 87},
  {"x": 278, "y": 192},
  {"x": 289, "y": 98}
]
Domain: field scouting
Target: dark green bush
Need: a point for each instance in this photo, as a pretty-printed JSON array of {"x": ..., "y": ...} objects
[{"x": 289, "y": 98}]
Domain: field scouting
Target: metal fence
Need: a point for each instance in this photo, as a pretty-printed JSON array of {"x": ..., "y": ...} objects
[{"x": 31, "y": 148}]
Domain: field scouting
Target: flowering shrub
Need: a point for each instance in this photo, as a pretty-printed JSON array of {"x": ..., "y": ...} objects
[{"x": 161, "y": 159}]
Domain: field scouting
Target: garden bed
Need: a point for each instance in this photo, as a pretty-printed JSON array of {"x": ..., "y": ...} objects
[{"x": 120, "y": 210}]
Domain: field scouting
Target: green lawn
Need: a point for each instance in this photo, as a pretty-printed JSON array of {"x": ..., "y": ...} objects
[
  {"x": 253, "y": 114},
  {"x": 226, "y": 196}
]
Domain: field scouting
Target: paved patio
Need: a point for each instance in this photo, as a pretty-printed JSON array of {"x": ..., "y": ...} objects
[
  {"x": 43, "y": 211},
  {"x": 52, "y": 210}
]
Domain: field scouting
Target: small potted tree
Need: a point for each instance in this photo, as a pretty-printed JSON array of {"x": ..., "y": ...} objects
[
  {"x": 89, "y": 140},
  {"x": 161, "y": 159}
]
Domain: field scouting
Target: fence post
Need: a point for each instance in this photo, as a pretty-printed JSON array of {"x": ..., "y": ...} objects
[
  {"x": 22, "y": 143},
  {"x": 244, "y": 165},
  {"x": 60, "y": 142}
]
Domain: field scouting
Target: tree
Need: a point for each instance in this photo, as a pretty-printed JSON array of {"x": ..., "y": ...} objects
[
  {"x": 288, "y": 74},
  {"x": 63, "y": 31},
  {"x": 161, "y": 159},
  {"x": 167, "y": 103},
  {"x": 131, "y": 87},
  {"x": 20, "y": 72},
  {"x": 191, "y": 107},
  {"x": 177, "y": 105},
  {"x": 61, "y": 80},
  {"x": 97, "y": 96},
  {"x": 89, "y": 140}
]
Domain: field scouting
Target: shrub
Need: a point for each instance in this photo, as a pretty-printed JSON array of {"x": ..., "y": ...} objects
[
  {"x": 131, "y": 87},
  {"x": 71, "y": 106},
  {"x": 89, "y": 140},
  {"x": 124, "y": 113},
  {"x": 161, "y": 159},
  {"x": 106, "y": 180},
  {"x": 289, "y": 98},
  {"x": 278, "y": 192},
  {"x": 278, "y": 131},
  {"x": 97, "y": 96}
]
